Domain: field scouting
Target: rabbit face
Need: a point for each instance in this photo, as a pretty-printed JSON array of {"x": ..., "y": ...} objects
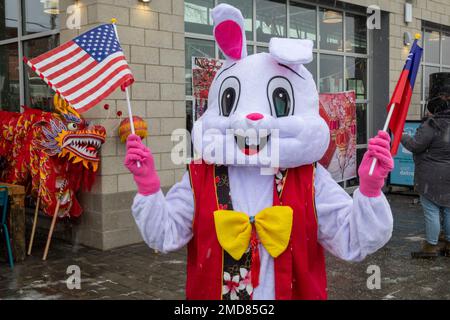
[{"x": 263, "y": 109}]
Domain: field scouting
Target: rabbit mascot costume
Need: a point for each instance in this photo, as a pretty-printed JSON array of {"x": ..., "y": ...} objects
[{"x": 258, "y": 210}]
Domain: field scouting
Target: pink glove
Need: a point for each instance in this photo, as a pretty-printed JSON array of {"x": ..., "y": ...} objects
[
  {"x": 379, "y": 148},
  {"x": 146, "y": 178}
]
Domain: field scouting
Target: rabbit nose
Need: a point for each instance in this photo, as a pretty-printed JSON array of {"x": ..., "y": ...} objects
[{"x": 255, "y": 116}]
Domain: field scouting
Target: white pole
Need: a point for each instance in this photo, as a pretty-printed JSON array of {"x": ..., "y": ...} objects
[
  {"x": 130, "y": 113},
  {"x": 385, "y": 128},
  {"x": 127, "y": 93}
]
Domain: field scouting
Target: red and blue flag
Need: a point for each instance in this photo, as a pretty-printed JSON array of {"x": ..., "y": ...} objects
[{"x": 402, "y": 95}]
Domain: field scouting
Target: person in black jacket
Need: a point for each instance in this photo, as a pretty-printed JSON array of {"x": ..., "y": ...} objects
[{"x": 431, "y": 148}]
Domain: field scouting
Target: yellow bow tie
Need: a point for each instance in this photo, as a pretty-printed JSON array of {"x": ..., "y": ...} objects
[{"x": 273, "y": 226}]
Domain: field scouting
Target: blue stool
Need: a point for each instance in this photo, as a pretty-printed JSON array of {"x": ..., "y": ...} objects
[{"x": 4, "y": 210}]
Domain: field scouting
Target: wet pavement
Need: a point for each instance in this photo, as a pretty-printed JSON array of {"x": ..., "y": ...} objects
[{"x": 137, "y": 272}]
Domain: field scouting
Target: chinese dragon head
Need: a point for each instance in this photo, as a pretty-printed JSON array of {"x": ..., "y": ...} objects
[{"x": 52, "y": 154}]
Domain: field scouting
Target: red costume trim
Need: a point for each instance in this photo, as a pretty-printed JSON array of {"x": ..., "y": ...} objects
[{"x": 299, "y": 271}]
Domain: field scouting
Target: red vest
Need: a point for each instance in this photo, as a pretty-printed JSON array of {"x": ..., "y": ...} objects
[{"x": 299, "y": 271}]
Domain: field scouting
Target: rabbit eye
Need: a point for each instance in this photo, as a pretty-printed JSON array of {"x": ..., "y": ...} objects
[
  {"x": 228, "y": 98},
  {"x": 281, "y": 96},
  {"x": 281, "y": 102},
  {"x": 229, "y": 95}
]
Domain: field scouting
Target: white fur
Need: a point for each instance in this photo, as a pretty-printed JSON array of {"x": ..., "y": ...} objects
[
  {"x": 303, "y": 136},
  {"x": 224, "y": 12},
  {"x": 349, "y": 228},
  {"x": 291, "y": 51}
]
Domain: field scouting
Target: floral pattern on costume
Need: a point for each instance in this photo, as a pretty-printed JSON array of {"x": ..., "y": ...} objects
[
  {"x": 239, "y": 271},
  {"x": 231, "y": 286},
  {"x": 236, "y": 275},
  {"x": 280, "y": 178},
  {"x": 246, "y": 281}
]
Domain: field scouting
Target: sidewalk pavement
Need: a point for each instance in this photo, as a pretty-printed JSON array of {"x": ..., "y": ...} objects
[{"x": 137, "y": 272}]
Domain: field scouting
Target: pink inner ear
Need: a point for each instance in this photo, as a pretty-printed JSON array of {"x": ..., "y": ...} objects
[{"x": 228, "y": 35}]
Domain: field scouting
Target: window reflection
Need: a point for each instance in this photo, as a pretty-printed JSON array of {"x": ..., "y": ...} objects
[
  {"x": 446, "y": 49},
  {"x": 37, "y": 93},
  {"x": 427, "y": 72},
  {"x": 356, "y": 76},
  {"x": 361, "y": 120},
  {"x": 331, "y": 73},
  {"x": 8, "y": 19},
  {"x": 331, "y": 29},
  {"x": 262, "y": 49},
  {"x": 356, "y": 33},
  {"x": 312, "y": 67},
  {"x": 431, "y": 42},
  {"x": 270, "y": 19},
  {"x": 197, "y": 16},
  {"x": 302, "y": 22},
  {"x": 196, "y": 48},
  {"x": 9, "y": 78},
  {"x": 40, "y": 16}
]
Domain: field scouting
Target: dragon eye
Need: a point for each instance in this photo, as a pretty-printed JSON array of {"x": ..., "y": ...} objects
[{"x": 72, "y": 126}]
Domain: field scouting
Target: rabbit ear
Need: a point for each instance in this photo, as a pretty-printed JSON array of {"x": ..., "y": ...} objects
[
  {"x": 229, "y": 31},
  {"x": 291, "y": 51}
]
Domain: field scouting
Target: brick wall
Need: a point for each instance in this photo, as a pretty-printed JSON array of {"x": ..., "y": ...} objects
[
  {"x": 152, "y": 37},
  {"x": 437, "y": 11}
]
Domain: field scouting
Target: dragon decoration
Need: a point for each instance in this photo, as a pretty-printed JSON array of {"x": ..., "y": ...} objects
[{"x": 52, "y": 154}]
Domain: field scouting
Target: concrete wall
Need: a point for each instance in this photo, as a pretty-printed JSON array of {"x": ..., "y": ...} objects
[{"x": 152, "y": 37}]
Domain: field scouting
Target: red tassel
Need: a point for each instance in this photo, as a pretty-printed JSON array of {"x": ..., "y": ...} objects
[{"x": 256, "y": 262}]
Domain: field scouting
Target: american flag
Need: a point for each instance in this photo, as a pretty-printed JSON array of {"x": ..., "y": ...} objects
[{"x": 85, "y": 70}]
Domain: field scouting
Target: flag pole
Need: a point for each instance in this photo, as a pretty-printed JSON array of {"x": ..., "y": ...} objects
[
  {"x": 127, "y": 93},
  {"x": 388, "y": 119},
  {"x": 385, "y": 128}
]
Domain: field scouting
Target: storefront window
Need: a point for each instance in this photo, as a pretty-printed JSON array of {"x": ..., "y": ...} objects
[
  {"x": 38, "y": 94},
  {"x": 331, "y": 30},
  {"x": 356, "y": 33},
  {"x": 436, "y": 56},
  {"x": 312, "y": 67},
  {"x": 427, "y": 72},
  {"x": 270, "y": 19},
  {"x": 8, "y": 19},
  {"x": 196, "y": 48},
  {"x": 40, "y": 25},
  {"x": 331, "y": 73},
  {"x": 303, "y": 22},
  {"x": 40, "y": 16},
  {"x": 446, "y": 49},
  {"x": 197, "y": 16},
  {"x": 9, "y": 77},
  {"x": 361, "y": 120},
  {"x": 355, "y": 76},
  {"x": 432, "y": 43},
  {"x": 262, "y": 49},
  {"x": 246, "y": 7}
]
